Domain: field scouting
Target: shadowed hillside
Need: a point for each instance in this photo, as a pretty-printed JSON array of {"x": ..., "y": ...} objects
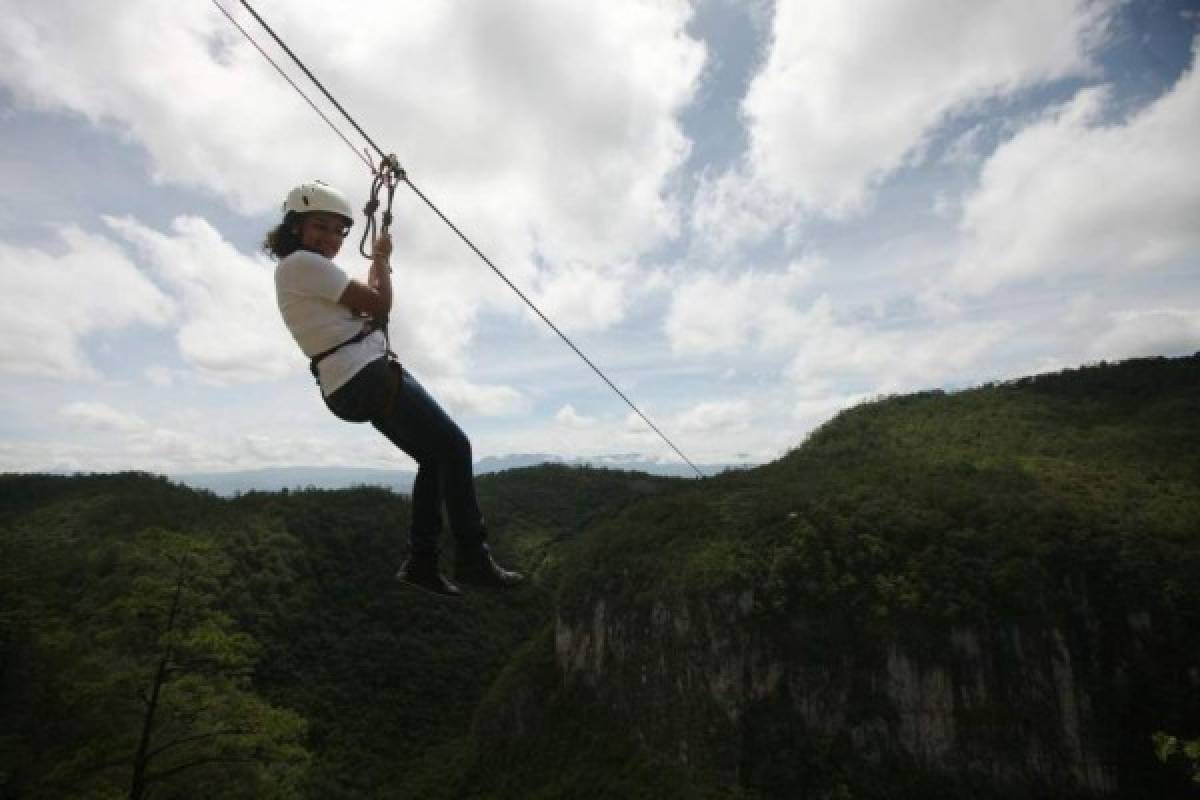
[
  {"x": 375, "y": 685},
  {"x": 991, "y": 592}
]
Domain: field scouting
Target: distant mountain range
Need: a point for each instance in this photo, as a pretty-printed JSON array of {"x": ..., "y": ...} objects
[{"x": 273, "y": 479}]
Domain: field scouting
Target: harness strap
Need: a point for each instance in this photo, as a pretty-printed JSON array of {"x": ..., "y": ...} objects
[{"x": 367, "y": 330}]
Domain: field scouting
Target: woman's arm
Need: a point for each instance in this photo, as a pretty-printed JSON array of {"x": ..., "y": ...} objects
[{"x": 373, "y": 298}]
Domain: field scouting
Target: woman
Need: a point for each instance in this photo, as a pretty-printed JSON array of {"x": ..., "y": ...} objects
[{"x": 332, "y": 318}]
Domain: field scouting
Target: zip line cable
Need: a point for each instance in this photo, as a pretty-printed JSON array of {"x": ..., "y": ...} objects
[
  {"x": 389, "y": 161},
  {"x": 554, "y": 328},
  {"x": 299, "y": 91}
]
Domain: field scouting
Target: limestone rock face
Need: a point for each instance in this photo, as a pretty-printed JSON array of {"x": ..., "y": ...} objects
[
  {"x": 1026, "y": 703},
  {"x": 987, "y": 594}
]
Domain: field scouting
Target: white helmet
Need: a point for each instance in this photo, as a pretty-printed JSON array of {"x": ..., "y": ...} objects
[{"x": 318, "y": 196}]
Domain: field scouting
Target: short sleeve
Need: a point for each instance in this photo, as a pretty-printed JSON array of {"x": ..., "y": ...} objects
[{"x": 310, "y": 273}]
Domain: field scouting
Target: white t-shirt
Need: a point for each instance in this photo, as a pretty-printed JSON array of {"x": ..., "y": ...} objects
[{"x": 307, "y": 288}]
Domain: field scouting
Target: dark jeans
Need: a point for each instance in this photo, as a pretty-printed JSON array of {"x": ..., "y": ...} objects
[{"x": 391, "y": 399}]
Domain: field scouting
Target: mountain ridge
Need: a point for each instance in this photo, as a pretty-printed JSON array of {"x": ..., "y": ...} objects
[{"x": 273, "y": 479}]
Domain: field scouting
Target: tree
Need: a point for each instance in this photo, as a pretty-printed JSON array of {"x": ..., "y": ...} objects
[{"x": 150, "y": 684}]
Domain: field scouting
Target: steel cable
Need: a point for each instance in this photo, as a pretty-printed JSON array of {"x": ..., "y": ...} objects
[{"x": 389, "y": 162}]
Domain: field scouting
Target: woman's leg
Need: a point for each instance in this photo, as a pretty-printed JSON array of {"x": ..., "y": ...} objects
[
  {"x": 416, "y": 424},
  {"x": 426, "y": 527}
]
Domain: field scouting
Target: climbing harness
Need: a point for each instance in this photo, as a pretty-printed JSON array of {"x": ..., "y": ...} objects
[
  {"x": 388, "y": 175},
  {"x": 367, "y": 329}
]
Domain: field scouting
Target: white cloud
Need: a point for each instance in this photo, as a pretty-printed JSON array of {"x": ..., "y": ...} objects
[
  {"x": 433, "y": 320},
  {"x": 551, "y": 132},
  {"x": 183, "y": 435},
  {"x": 461, "y": 396},
  {"x": 159, "y": 376},
  {"x": 230, "y": 329},
  {"x": 713, "y": 313},
  {"x": 569, "y": 417},
  {"x": 168, "y": 450},
  {"x": 582, "y": 298},
  {"x": 828, "y": 358},
  {"x": 51, "y": 304},
  {"x": 1071, "y": 194},
  {"x": 91, "y": 58},
  {"x": 548, "y": 130},
  {"x": 725, "y": 416},
  {"x": 102, "y": 417},
  {"x": 887, "y": 361},
  {"x": 851, "y": 92},
  {"x": 587, "y": 436},
  {"x": 1149, "y": 332},
  {"x": 730, "y": 208}
]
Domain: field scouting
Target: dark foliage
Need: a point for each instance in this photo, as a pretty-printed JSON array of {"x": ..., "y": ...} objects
[
  {"x": 386, "y": 679},
  {"x": 1071, "y": 498},
  {"x": 1067, "y": 502}
]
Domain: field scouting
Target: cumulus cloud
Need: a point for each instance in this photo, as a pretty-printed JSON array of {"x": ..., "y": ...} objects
[
  {"x": 851, "y": 92},
  {"x": 815, "y": 346},
  {"x": 767, "y": 313},
  {"x": 125, "y": 440},
  {"x": 1149, "y": 332},
  {"x": 551, "y": 133},
  {"x": 714, "y": 313},
  {"x": 462, "y": 396},
  {"x": 103, "y": 437},
  {"x": 1071, "y": 193},
  {"x": 569, "y": 417},
  {"x": 885, "y": 361},
  {"x": 548, "y": 130},
  {"x": 727, "y": 416},
  {"x": 102, "y": 417},
  {"x": 229, "y": 327},
  {"x": 583, "y": 298},
  {"x": 53, "y": 303},
  {"x": 730, "y": 208},
  {"x": 91, "y": 59},
  {"x": 626, "y": 436}
]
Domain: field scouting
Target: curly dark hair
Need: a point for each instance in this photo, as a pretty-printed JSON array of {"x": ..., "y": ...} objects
[{"x": 284, "y": 239}]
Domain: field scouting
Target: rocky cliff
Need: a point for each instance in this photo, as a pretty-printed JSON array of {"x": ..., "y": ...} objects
[
  {"x": 989, "y": 594},
  {"x": 720, "y": 684}
]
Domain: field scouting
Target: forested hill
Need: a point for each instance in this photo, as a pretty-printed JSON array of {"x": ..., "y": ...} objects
[
  {"x": 295, "y": 665},
  {"x": 990, "y": 592}
]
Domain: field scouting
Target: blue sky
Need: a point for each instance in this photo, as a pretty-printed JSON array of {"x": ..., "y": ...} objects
[{"x": 750, "y": 214}]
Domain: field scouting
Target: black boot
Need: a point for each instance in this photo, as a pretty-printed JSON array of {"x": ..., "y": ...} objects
[
  {"x": 421, "y": 571},
  {"x": 476, "y": 567}
]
